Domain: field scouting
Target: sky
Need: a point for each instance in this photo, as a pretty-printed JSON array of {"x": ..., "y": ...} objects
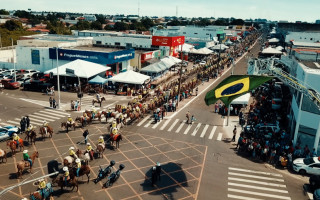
[{"x": 290, "y": 10}]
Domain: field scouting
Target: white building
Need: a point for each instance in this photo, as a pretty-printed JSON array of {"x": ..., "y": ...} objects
[
  {"x": 303, "y": 37},
  {"x": 125, "y": 41}
]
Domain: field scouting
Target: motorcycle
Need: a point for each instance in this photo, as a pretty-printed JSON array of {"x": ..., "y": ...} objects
[
  {"x": 114, "y": 176},
  {"x": 104, "y": 172}
]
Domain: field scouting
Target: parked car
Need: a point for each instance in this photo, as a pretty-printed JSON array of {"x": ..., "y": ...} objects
[
  {"x": 7, "y": 132},
  {"x": 10, "y": 84},
  {"x": 22, "y": 81},
  {"x": 36, "y": 85},
  {"x": 307, "y": 165}
]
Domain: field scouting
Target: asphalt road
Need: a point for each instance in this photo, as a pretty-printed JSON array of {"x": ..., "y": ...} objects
[{"x": 198, "y": 160}]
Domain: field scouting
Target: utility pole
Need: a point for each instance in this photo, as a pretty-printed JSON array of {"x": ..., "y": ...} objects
[
  {"x": 58, "y": 78},
  {"x": 14, "y": 64},
  {"x": 179, "y": 86}
]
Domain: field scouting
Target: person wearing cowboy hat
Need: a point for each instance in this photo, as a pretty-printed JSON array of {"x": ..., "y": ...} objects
[
  {"x": 94, "y": 112},
  {"x": 78, "y": 163},
  {"x": 69, "y": 120},
  {"x": 101, "y": 141},
  {"x": 26, "y": 157},
  {"x": 42, "y": 186},
  {"x": 72, "y": 153},
  {"x": 45, "y": 126},
  {"x": 89, "y": 150},
  {"x": 16, "y": 139},
  {"x": 66, "y": 175}
]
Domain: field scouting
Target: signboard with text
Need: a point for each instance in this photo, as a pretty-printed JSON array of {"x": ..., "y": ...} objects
[
  {"x": 91, "y": 56},
  {"x": 150, "y": 55},
  {"x": 167, "y": 41}
]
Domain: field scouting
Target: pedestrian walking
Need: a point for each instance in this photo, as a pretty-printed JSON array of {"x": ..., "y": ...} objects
[
  {"x": 153, "y": 176},
  {"x": 85, "y": 135},
  {"x": 216, "y": 107},
  {"x": 53, "y": 103},
  {"x": 22, "y": 124},
  {"x": 197, "y": 91},
  {"x": 50, "y": 102},
  {"x": 188, "y": 117},
  {"x": 158, "y": 171},
  {"x": 234, "y": 134},
  {"x": 27, "y": 121}
]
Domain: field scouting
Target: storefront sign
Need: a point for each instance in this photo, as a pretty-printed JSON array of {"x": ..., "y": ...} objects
[
  {"x": 150, "y": 55},
  {"x": 167, "y": 41},
  {"x": 92, "y": 56}
]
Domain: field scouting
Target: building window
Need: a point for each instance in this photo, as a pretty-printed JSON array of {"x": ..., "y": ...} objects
[
  {"x": 117, "y": 43},
  {"x": 196, "y": 33},
  {"x": 98, "y": 42},
  {"x": 207, "y": 33},
  {"x": 309, "y": 106},
  {"x": 184, "y": 33}
]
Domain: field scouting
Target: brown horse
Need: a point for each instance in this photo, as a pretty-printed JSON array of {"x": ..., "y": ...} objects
[
  {"x": 115, "y": 138},
  {"x": 13, "y": 146},
  {"x": 61, "y": 183},
  {"x": 84, "y": 170},
  {"x": 85, "y": 156},
  {"x": 100, "y": 150},
  {"x": 3, "y": 155},
  {"x": 31, "y": 136},
  {"x": 96, "y": 101},
  {"x": 67, "y": 125},
  {"x": 43, "y": 132},
  {"x": 21, "y": 165},
  {"x": 134, "y": 116},
  {"x": 82, "y": 121}
]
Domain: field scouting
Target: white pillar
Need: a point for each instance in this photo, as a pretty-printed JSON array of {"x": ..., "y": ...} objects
[{"x": 58, "y": 79}]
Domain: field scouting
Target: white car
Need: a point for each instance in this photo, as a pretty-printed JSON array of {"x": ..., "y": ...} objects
[
  {"x": 307, "y": 165},
  {"x": 202, "y": 62}
]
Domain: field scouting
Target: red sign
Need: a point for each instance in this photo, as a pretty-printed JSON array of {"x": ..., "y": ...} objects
[{"x": 167, "y": 41}]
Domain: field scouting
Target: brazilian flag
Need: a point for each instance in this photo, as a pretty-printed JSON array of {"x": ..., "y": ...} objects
[{"x": 233, "y": 87}]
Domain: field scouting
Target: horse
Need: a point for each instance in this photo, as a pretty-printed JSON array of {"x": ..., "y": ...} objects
[
  {"x": 100, "y": 150},
  {"x": 43, "y": 132},
  {"x": 96, "y": 101},
  {"x": 21, "y": 165},
  {"x": 84, "y": 170},
  {"x": 68, "y": 160},
  {"x": 31, "y": 136},
  {"x": 66, "y": 126},
  {"x": 134, "y": 115},
  {"x": 13, "y": 145},
  {"x": 116, "y": 138},
  {"x": 3, "y": 155},
  {"x": 85, "y": 157},
  {"x": 39, "y": 195},
  {"x": 61, "y": 183}
]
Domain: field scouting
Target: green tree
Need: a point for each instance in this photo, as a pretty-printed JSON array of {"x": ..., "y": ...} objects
[
  {"x": 101, "y": 19},
  {"x": 4, "y": 12},
  {"x": 121, "y": 26},
  {"x": 22, "y": 14},
  {"x": 203, "y": 22},
  {"x": 237, "y": 22},
  {"x": 96, "y": 25},
  {"x": 82, "y": 25},
  {"x": 108, "y": 28},
  {"x": 13, "y": 25},
  {"x": 221, "y": 22},
  {"x": 147, "y": 23},
  {"x": 174, "y": 22}
]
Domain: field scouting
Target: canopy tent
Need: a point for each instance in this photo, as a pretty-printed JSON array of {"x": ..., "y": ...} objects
[
  {"x": 130, "y": 77},
  {"x": 228, "y": 42},
  {"x": 98, "y": 80},
  {"x": 279, "y": 48},
  {"x": 273, "y": 40},
  {"x": 153, "y": 68},
  {"x": 270, "y": 50},
  {"x": 217, "y": 47},
  {"x": 204, "y": 51},
  {"x": 243, "y": 99},
  {"x": 185, "y": 47},
  {"x": 81, "y": 69}
]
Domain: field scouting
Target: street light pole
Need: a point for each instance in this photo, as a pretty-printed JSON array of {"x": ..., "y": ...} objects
[
  {"x": 58, "y": 78},
  {"x": 179, "y": 87},
  {"x": 14, "y": 64}
]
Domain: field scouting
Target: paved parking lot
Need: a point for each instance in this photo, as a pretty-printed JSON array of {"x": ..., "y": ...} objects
[{"x": 182, "y": 164}]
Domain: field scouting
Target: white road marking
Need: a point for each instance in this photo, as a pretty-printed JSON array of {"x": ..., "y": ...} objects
[
  {"x": 56, "y": 111},
  {"x": 145, "y": 119},
  {"x": 259, "y": 194},
  {"x": 37, "y": 120},
  {"x": 13, "y": 122},
  {"x": 254, "y": 172},
  {"x": 219, "y": 137},
  {"x": 204, "y": 130},
  {"x": 241, "y": 197},
  {"x": 212, "y": 132},
  {"x": 41, "y": 117},
  {"x": 54, "y": 114},
  {"x": 165, "y": 124},
  {"x": 174, "y": 123},
  {"x": 156, "y": 124},
  {"x": 149, "y": 123},
  {"x": 224, "y": 122},
  {"x": 181, "y": 125},
  {"x": 196, "y": 130},
  {"x": 257, "y": 182},
  {"x": 257, "y": 177},
  {"x": 46, "y": 115},
  {"x": 188, "y": 128},
  {"x": 110, "y": 104},
  {"x": 5, "y": 124},
  {"x": 257, "y": 187}
]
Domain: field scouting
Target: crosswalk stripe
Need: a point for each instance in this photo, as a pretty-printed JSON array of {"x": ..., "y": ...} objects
[
  {"x": 196, "y": 129},
  {"x": 219, "y": 137},
  {"x": 54, "y": 114},
  {"x": 257, "y": 182},
  {"x": 13, "y": 122},
  {"x": 254, "y": 172},
  {"x": 156, "y": 124},
  {"x": 259, "y": 194},
  {"x": 257, "y": 187},
  {"x": 41, "y": 117},
  {"x": 181, "y": 125},
  {"x": 56, "y": 111},
  {"x": 110, "y": 104},
  {"x": 242, "y": 197},
  {"x": 257, "y": 177},
  {"x": 5, "y": 124},
  {"x": 174, "y": 123},
  {"x": 204, "y": 130},
  {"x": 46, "y": 116},
  {"x": 145, "y": 119},
  {"x": 149, "y": 123},
  {"x": 34, "y": 119},
  {"x": 165, "y": 124},
  {"x": 212, "y": 132},
  {"x": 188, "y": 128}
]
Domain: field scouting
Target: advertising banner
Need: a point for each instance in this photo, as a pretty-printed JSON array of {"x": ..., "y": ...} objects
[
  {"x": 91, "y": 56},
  {"x": 150, "y": 55},
  {"x": 167, "y": 41}
]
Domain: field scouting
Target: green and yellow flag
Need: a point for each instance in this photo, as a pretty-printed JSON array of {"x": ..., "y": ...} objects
[{"x": 233, "y": 87}]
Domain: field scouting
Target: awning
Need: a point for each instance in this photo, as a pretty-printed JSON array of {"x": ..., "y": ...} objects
[
  {"x": 130, "y": 77},
  {"x": 243, "y": 99},
  {"x": 80, "y": 68},
  {"x": 204, "y": 51},
  {"x": 217, "y": 47},
  {"x": 274, "y": 40},
  {"x": 98, "y": 80}
]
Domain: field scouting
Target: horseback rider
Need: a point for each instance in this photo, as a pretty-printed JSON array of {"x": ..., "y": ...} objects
[
  {"x": 101, "y": 141},
  {"x": 114, "y": 133},
  {"x": 85, "y": 116},
  {"x": 42, "y": 186},
  {"x": 78, "y": 166},
  {"x": 66, "y": 175},
  {"x": 121, "y": 117},
  {"x": 89, "y": 150},
  {"x": 94, "y": 112},
  {"x": 16, "y": 139},
  {"x": 45, "y": 126},
  {"x": 69, "y": 120},
  {"x": 30, "y": 128},
  {"x": 26, "y": 157},
  {"x": 72, "y": 153},
  {"x": 98, "y": 97}
]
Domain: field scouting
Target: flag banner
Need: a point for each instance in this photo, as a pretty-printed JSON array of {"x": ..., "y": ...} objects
[{"x": 233, "y": 87}]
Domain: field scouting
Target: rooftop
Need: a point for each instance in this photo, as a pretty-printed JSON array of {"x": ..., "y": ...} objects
[
  {"x": 306, "y": 44},
  {"x": 311, "y": 65}
]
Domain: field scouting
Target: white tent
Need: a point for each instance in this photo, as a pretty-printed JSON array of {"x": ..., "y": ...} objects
[
  {"x": 81, "y": 68},
  {"x": 243, "y": 99},
  {"x": 204, "y": 51},
  {"x": 130, "y": 77},
  {"x": 270, "y": 50},
  {"x": 280, "y": 48},
  {"x": 185, "y": 47},
  {"x": 217, "y": 47},
  {"x": 274, "y": 40}
]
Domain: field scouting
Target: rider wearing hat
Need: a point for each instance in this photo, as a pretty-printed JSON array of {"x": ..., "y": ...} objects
[
  {"x": 26, "y": 157},
  {"x": 101, "y": 140},
  {"x": 70, "y": 120},
  {"x": 78, "y": 166},
  {"x": 90, "y": 151},
  {"x": 94, "y": 112},
  {"x": 45, "y": 126},
  {"x": 72, "y": 153},
  {"x": 16, "y": 138},
  {"x": 30, "y": 128},
  {"x": 85, "y": 116},
  {"x": 42, "y": 186},
  {"x": 66, "y": 175}
]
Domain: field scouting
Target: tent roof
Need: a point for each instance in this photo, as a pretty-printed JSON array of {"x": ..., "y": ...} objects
[
  {"x": 217, "y": 47},
  {"x": 98, "y": 80},
  {"x": 186, "y": 47},
  {"x": 201, "y": 51},
  {"x": 274, "y": 40},
  {"x": 82, "y": 69},
  {"x": 130, "y": 77},
  {"x": 151, "y": 68},
  {"x": 243, "y": 99},
  {"x": 270, "y": 50}
]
